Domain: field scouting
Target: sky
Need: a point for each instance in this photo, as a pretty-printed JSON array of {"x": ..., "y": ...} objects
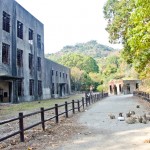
[{"x": 67, "y": 22}]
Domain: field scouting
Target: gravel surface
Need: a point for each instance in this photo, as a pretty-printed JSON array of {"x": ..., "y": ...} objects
[{"x": 92, "y": 129}]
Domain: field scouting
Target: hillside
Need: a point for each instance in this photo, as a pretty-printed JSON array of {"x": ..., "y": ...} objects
[
  {"x": 93, "y": 64},
  {"x": 91, "y": 48}
]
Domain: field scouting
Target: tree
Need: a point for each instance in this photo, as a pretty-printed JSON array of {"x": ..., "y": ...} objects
[
  {"x": 76, "y": 75},
  {"x": 85, "y": 63},
  {"x": 129, "y": 24}
]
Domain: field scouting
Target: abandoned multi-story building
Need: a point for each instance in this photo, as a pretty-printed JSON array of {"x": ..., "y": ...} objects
[{"x": 25, "y": 74}]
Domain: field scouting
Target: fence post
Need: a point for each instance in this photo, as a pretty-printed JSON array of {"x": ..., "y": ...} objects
[
  {"x": 86, "y": 99},
  {"x": 56, "y": 113},
  {"x": 73, "y": 110},
  {"x": 42, "y": 118},
  {"x": 66, "y": 109},
  {"x": 102, "y": 94},
  {"x": 83, "y": 102},
  {"x": 21, "y": 127},
  {"x": 78, "y": 105},
  {"x": 89, "y": 99}
]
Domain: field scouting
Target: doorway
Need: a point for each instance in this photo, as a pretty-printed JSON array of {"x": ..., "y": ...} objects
[{"x": 1, "y": 95}]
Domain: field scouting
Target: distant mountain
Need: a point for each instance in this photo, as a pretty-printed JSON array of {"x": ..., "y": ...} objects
[{"x": 91, "y": 48}]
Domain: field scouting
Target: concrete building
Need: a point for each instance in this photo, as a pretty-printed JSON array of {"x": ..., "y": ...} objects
[
  {"x": 117, "y": 87},
  {"x": 25, "y": 74}
]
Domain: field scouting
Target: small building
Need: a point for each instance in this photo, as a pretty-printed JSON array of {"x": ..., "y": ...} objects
[{"x": 121, "y": 86}]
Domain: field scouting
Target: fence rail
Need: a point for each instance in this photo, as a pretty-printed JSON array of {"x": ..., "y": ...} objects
[
  {"x": 142, "y": 94},
  {"x": 75, "y": 105}
]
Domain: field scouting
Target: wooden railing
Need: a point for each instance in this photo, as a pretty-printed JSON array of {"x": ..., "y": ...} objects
[
  {"x": 143, "y": 95},
  {"x": 75, "y": 105}
]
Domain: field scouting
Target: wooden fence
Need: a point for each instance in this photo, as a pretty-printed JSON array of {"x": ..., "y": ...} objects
[
  {"x": 144, "y": 95},
  {"x": 75, "y": 105}
]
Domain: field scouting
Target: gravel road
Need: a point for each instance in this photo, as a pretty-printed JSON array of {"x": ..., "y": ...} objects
[{"x": 103, "y": 133}]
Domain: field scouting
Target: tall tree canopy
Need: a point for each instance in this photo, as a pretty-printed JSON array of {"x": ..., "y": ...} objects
[
  {"x": 129, "y": 24},
  {"x": 85, "y": 63}
]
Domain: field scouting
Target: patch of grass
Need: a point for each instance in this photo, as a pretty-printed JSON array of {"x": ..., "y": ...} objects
[{"x": 7, "y": 111}]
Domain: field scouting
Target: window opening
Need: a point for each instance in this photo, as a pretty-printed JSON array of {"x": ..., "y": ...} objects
[
  {"x": 30, "y": 61},
  {"x": 38, "y": 41},
  {"x": 19, "y": 30},
  {"x": 39, "y": 64},
  {"x": 20, "y": 58},
  {"x": 6, "y": 22},
  {"x": 39, "y": 87},
  {"x": 31, "y": 86},
  {"x": 5, "y": 53}
]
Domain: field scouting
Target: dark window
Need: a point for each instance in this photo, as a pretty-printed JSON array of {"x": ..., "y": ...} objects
[
  {"x": 30, "y": 34},
  {"x": 53, "y": 88},
  {"x": 137, "y": 85},
  {"x": 39, "y": 88},
  {"x": 39, "y": 64},
  {"x": 5, "y": 53},
  {"x": 120, "y": 87},
  {"x": 31, "y": 86},
  {"x": 52, "y": 72},
  {"x": 67, "y": 90},
  {"x": 60, "y": 74},
  {"x": 6, "y": 22},
  {"x": 19, "y": 30},
  {"x": 63, "y": 75},
  {"x": 30, "y": 61},
  {"x": 39, "y": 41},
  {"x": 5, "y": 94},
  {"x": 30, "y": 38},
  {"x": 20, "y": 89},
  {"x": 56, "y": 73},
  {"x": 20, "y": 58},
  {"x": 66, "y": 75},
  {"x": 57, "y": 87}
]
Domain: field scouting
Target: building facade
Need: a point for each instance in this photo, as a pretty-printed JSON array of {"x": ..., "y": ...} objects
[
  {"x": 117, "y": 87},
  {"x": 25, "y": 74}
]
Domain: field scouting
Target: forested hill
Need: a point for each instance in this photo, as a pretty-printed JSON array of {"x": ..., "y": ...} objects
[{"x": 91, "y": 48}]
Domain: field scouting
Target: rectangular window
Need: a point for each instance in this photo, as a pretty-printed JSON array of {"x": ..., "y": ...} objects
[
  {"x": 19, "y": 30},
  {"x": 31, "y": 87},
  {"x": 5, "y": 53},
  {"x": 53, "y": 88},
  {"x": 20, "y": 89},
  {"x": 57, "y": 87},
  {"x": 30, "y": 38},
  {"x": 39, "y": 87},
  {"x": 39, "y": 64},
  {"x": 30, "y": 61},
  {"x": 66, "y": 76},
  {"x": 38, "y": 41},
  {"x": 63, "y": 75},
  {"x": 56, "y": 73},
  {"x": 52, "y": 72},
  {"x": 20, "y": 58},
  {"x": 6, "y": 22},
  {"x": 60, "y": 74}
]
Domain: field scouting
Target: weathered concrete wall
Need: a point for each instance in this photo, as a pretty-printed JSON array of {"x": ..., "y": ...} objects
[
  {"x": 12, "y": 70},
  {"x": 59, "y": 76},
  {"x": 123, "y": 86}
]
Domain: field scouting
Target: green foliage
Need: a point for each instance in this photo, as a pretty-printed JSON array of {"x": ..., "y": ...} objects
[
  {"x": 91, "y": 48},
  {"x": 129, "y": 23},
  {"x": 86, "y": 63}
]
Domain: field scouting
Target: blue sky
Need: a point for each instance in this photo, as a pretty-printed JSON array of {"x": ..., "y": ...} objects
[{"x": 67, "y": 22}]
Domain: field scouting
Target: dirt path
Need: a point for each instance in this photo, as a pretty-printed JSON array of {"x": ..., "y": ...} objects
[
  {"x": 102, "y": 133},
  {"x": 91, "y": 129}
]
